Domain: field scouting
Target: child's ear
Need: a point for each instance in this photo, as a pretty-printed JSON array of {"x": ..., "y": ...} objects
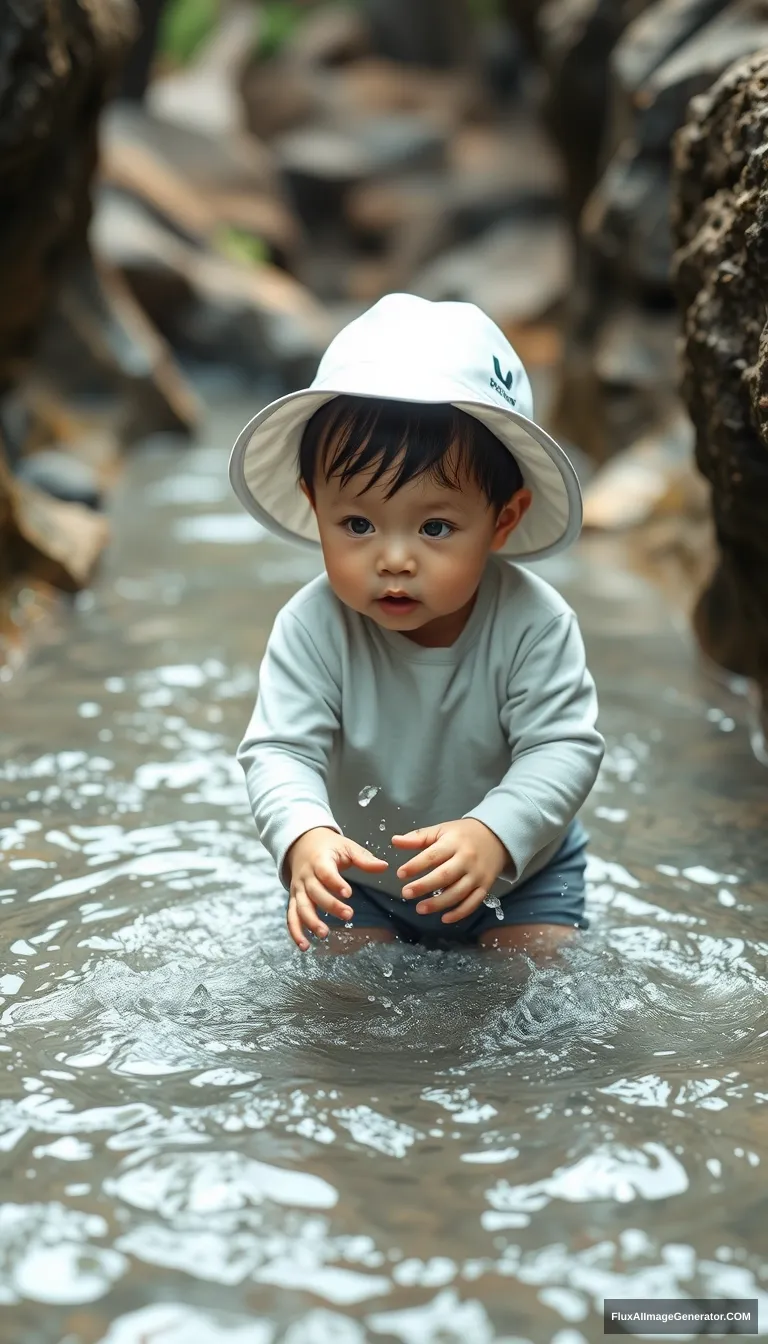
[{"x": 512, "y": 514}]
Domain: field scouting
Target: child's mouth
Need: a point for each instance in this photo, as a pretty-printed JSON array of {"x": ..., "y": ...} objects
[{"x": 399, "y": 604}]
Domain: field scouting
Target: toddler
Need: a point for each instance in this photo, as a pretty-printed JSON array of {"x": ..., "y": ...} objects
[{"x": 422, "y": 668}]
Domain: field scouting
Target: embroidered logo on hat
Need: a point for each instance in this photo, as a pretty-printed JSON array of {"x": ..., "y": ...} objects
[{"x": 506, "y": 379}]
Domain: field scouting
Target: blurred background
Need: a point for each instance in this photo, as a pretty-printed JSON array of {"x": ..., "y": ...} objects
[{"x": 197, "y": 194}]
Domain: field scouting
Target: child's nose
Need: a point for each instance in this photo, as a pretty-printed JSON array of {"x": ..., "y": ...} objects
[{"x": 396, "y": 557}]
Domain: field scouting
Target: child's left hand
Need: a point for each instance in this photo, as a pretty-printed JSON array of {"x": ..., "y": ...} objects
[{"x": 469, "y": 858}]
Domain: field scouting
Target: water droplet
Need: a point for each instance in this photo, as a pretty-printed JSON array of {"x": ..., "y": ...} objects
[
  {"x": 366, "y": 794},
  {"x": 348, "y": 924},
  {"x": 371, "y": 998},
  {"x": 386, "y": 972},
  {"x": 494, "y": 904},
  {"x": 382, "y": 825}
]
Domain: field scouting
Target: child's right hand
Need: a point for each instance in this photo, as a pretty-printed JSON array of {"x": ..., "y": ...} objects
[{"x": 315, "y": 862}]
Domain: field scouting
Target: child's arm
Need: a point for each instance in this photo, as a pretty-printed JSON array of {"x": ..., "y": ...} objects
[
  {"x": 287, "y": 744},
  {"x": 549, "y": 718}
]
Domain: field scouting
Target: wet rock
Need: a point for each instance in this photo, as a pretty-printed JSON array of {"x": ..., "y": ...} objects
[
  {"x": 200, "y": 184},
  {"x": 741, "y": 29},
  {"x": 320, "y": 163},
  {"x": 98, "y": 338},
  {"x": 669, "y": 51},
  {"x": 658, "y": 32},
  {"x": 257, "y": 316},
  {"x": 54, "y": 541},
  {"x": 721, "y": 281},
  {"x": 57, "y": 66},
  {"x": 62, "y": 475},
  {"x": 516, "y": 272},
  {"x": 626, "y": 222},
  {"x": 576, "y": 41}
]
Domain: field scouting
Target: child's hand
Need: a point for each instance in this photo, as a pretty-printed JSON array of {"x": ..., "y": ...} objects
[
  {"x": 469, "y": 858},
  {"x": 314, "y": 862}
]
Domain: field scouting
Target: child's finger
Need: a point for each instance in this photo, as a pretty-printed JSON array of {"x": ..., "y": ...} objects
[
  {"x": 362, "y": 858},
  {"x": 421, "y": 862},
  {"x": 417, "y": 837},
  {"x": 322, "y": 899},
  {"x": 444, "y": 877},
  {"x": 331, "y": 879},
  {"x": 294, "y": 927},
  {"x": 308, "y": 915},
  {"x": 467, "y": 907},
  {"x": 449, "y": 895}
]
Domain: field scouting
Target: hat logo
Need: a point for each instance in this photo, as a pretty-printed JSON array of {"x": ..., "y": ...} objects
[{"x": 505, "y": 379}]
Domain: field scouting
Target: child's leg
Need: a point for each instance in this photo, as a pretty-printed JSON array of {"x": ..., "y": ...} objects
[
  {"x": 351, "y": 940},
  {"x": 371, "y": 923},
  {"x": 542, "y": 942},
  {"x": 545, "y": 914}
]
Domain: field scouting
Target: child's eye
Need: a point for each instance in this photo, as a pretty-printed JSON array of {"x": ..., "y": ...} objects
[
  {"x": 437, "y": 523},
  {"x": 352, "y": 525}
]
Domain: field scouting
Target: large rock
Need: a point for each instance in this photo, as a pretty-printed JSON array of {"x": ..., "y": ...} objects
[
  {"x": 721, "y": 280},
  {"x": 669, "y": 52},
  {"x": 57, "y": 65},
  {"x": 322, "y": 163},
  {"x": 201, "y": 184},
  {"x": 207, "y": 304},
  {"x": 516, "y": 273},
  {"x": 577, "y": 38}
]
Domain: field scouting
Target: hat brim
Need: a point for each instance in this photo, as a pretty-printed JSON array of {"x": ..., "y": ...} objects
[{"x": 264, "y": 475}]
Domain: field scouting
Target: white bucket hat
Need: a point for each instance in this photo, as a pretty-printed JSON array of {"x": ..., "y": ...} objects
[{"x": 408, "y": 349}]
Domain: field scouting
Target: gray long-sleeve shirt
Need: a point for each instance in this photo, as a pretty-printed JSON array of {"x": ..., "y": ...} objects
[{"x": 499, "y": 726}]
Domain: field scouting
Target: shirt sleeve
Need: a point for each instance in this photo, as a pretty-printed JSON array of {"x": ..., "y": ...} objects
[
  {"x": 549, "y": 718},
  {"x": 287, "y": 744}
]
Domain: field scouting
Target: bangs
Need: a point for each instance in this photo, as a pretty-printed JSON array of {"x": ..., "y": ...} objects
[{"x": 399, "y": 441}]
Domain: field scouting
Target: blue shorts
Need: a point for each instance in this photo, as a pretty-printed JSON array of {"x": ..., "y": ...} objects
[{"x": 554, "y": 895}]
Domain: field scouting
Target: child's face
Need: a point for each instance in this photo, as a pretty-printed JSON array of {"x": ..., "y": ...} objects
[{"x": 428, "y": 542}]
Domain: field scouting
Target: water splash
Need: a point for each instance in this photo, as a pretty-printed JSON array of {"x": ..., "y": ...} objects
[
  {"x": 494, "y": 903},
  {"x": 367, "y": 794}
]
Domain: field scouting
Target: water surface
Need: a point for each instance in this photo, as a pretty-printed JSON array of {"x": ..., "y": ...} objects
[{"x": 208, "y": 1138}]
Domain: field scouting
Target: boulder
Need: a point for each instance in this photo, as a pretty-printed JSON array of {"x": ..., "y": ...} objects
[
  {"x": 516, "y": 272},
  {"x": 257, "y": 316},
  {"x": 200, "y": 184},
  {"x": 58, "y": 63},
  {"x": 721, "y": 281},
  {"x": 321, "y": 163}
]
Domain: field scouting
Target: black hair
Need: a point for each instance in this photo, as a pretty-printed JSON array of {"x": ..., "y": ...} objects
[{"x": 349, "y": 434}]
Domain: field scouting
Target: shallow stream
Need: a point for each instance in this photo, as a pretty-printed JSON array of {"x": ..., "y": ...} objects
[{"x": 208, "y": 1138}]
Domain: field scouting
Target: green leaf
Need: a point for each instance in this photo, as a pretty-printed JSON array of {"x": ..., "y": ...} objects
[
  {"x": 185, "y": 25},
  {"x": 239, "y": 245}
]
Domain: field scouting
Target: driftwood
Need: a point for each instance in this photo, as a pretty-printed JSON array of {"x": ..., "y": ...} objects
[{"x": 721, "y": 279}]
